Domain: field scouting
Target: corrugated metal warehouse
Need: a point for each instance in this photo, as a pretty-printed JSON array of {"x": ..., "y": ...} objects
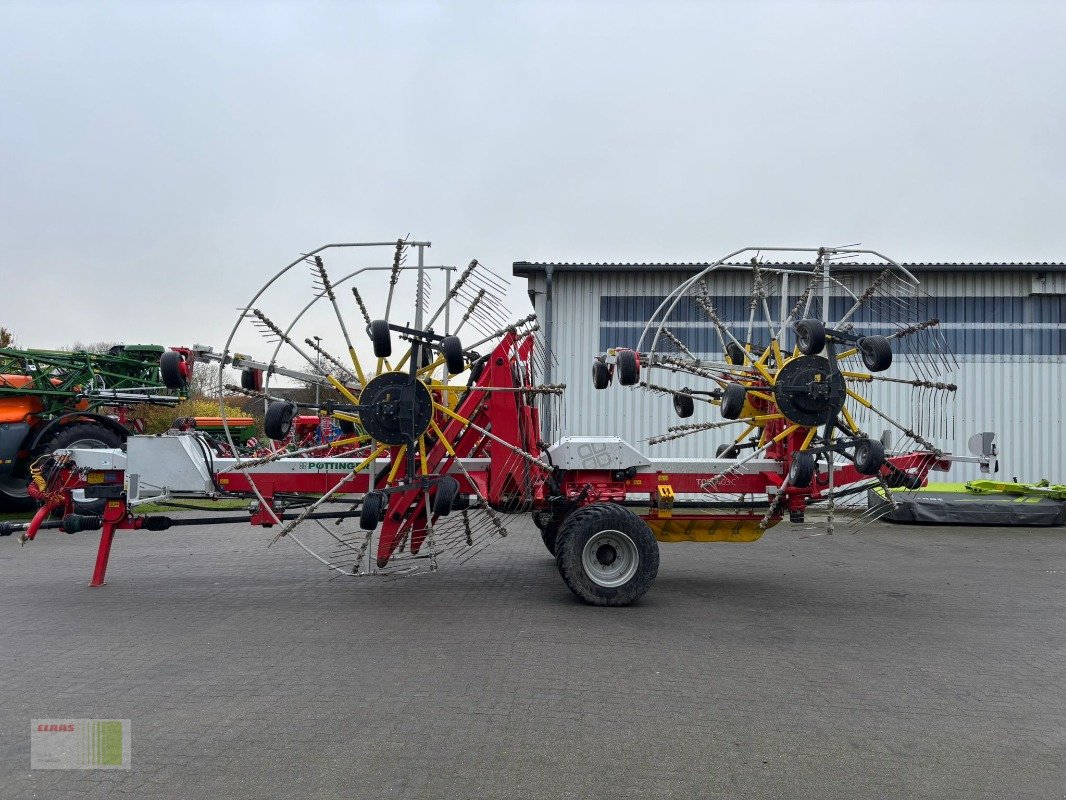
[{"x": 1004, "y": 323}]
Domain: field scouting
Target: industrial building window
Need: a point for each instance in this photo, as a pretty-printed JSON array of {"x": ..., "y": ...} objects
[{"x": 998, "y": 326}]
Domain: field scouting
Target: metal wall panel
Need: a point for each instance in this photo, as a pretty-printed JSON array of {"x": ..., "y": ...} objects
[{"x": 1018, "y": 397}]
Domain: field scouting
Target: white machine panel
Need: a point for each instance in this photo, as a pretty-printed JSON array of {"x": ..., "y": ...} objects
[
  {"x": 165, "y": 465},
  {"x": 595, "y": 452}
]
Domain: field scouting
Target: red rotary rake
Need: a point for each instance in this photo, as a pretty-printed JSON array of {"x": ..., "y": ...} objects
[{"x": 429, "y": 465}]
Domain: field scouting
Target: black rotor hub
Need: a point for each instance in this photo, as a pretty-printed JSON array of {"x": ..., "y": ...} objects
[
  {"x": 396, "y": 408},
  {"x": 807, "y": 393}
]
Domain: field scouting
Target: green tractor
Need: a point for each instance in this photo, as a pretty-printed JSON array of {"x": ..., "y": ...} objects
[{"x": 53, "y": 399}]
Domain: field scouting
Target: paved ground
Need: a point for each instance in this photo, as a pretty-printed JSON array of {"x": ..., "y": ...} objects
[{"x": 901, "y": 662}]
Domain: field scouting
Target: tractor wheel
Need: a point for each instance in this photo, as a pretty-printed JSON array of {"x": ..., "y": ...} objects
[
  {"x": 453, "y": 354},
  {"x": 684, "y": 404},
  {"x": 733, "y": 399},
  {"x": 173, "y": 370},
  {"x": 13, "y": 495},
  {"x": 373, "y": 510},
  {"x": 601, "y": 375},
  {"x": 607, "y": 555},
  {"x": 876, "y": 353},
  {"x": 380, "y": 338},
  {"x": 810, "y": 336},
  {"x": 628, "y": 367},
  {"x": 86, "y": 436},
  {"x": 727, "y": 451},
  {"x": 278, "y": 420},
  {"x": 869, "y": 456},
  {"x": 735, "y": 354},
  {"x": 444, "y": 498},
  {"x": 801, "y": 470},
  {"x": 252, "y": 379}
]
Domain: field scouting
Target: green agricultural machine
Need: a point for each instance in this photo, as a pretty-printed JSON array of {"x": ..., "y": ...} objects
[{"x": 53, "y": 399}]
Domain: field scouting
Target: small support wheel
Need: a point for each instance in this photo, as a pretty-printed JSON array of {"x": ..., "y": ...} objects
[
  {"x": 346, "y": 427},
  {"x": 278, "y": 420},
  {"x": 607, "y": 555},
  {"x": 601, "y": 375},
  {"x": 733, "y": 399},
  {"x": 876, "y": 353},
  {"x": 453, "y": 354},
  {"x": 373, "y": 510},
  {"x": 174, "y": 370},
  {"x": 801, "y": 470},
  {"x": 252, "y": 379},
  {"x": 628, "y": 367},
  {"x": 735, "y": 354},
  {"x": 727, "y": 451},
  {"x": 810, "y": 336},
  {"x": 684, "y": 405},
  {"x": 444, "y": 498},
  {"x": 869, "y": 456},
  {"x": 380, "y": 337}
]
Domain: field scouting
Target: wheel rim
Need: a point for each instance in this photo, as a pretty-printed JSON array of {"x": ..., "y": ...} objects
[{"x": 610, "y": 558}]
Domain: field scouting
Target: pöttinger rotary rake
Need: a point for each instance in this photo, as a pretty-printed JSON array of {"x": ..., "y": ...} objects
[
  {"x": 792, "y": 367},
  {"x": 411, "y": 434}
]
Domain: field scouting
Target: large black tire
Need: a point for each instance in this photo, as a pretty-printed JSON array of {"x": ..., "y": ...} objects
[
  {"x": 735, "y": 354},
  {"x": 733, "y": 399},
  {"x": 801, "y": 470},
  {"x": 684, "y": 405},
  {"x": 373, "y": 510},
  {"x": 876, "y": 353},
  {"x": 616, "y": 545},
  {"x": 453, "y": 354},
  {"x": 601, "y": 375},
  {"x": 380, "y": 337},
  {"x": 444, "y": 497},
  {"x": 628, "y": 367},
  {"x": 278, "y": 420},
  {"x": 170, "y": 370},
  {"x": 88, "y": 436},
  {"x": 810, "y": 336},
  {"x": 869, "y": 456}
]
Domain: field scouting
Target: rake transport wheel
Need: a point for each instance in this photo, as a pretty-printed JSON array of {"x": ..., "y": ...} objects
[
  {"x": 607, "y": 555},
  {"x": 793, "y": 353},
  {"x": 381, "y": 432}
]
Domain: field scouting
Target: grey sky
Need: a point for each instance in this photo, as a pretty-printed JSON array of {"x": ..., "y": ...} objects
[{"x": 158, "y": 161}]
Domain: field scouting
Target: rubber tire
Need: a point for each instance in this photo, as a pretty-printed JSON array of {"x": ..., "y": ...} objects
[
  {"x": 444, "y": 497},
  {"x": 477, "y": 369},
  {"x": 601, "y": 375},
  {"x": 733, "y": 399},
  {"x": 373, "y": 510},
  {"x": 278, "y": 420},
  {"x": 83, "y": 431},
  {"x": 170, "y": 370},
  {"x": 252, "y": 379},
  {"x": 380, "y": 337},
  {"x": 579, "y": 527},
  {"x": 903, "y": 480},
  {"x": 810, "y": 336},
  {"x": 453, "y": 354},
  {"x": 876, "y": 353},
  {"x": 548, "y": 525},
  {"x": 726, "y": 451},
  {"x": 628, "y": 367},
  {"x": 801, "y": 470},
  {"x": 869, "y": 456},
  {"x": 684, "y": 405},
  {"x": 346, "y": 427},
  {"x": 735, "y": 354}
]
